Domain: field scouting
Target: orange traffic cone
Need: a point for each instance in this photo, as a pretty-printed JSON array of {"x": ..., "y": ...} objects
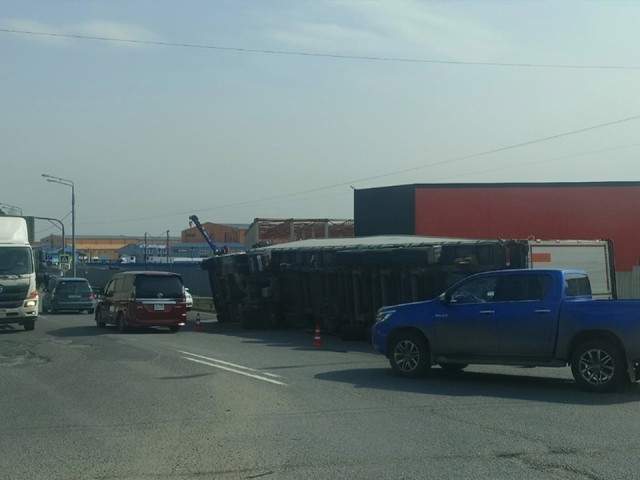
[
  {"x": 198, "y": 324},
  {"x": 317, "y": 341}
]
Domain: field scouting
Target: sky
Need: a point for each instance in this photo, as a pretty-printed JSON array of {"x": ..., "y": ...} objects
[{"x": 237, "y": 110}]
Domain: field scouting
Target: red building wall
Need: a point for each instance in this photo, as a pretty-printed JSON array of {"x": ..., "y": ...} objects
[{"x": 547, "y": 211}]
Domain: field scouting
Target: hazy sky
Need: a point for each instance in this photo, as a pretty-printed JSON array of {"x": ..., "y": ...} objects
[{"x": 235, "y": 110}]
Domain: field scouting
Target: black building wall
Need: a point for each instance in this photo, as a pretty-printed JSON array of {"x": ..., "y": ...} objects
[{"x": 384, "y": 211}]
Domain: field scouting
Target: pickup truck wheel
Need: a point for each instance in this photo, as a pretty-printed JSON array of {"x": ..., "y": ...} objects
[
  {"x": 598, "y": 366},
  {"x": 409, "y": 355}
]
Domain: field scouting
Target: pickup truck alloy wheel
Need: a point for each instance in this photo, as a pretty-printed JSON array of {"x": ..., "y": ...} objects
[
  {"x": 598, "y": 365},
  {"x": 409, "y": 355}
]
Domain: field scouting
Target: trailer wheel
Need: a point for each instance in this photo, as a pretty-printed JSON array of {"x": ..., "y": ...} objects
[
  {"x": 409, "y": 355},
  {"x": 598, "y": 366}
]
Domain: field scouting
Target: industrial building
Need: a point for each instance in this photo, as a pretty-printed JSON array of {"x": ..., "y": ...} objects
[{"x": 582, "y": 210}]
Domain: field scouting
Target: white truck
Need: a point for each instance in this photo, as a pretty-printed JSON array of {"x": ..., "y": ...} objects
[
  {"x": 593, "y": 256},
  {"x": 18, "y": 289}
]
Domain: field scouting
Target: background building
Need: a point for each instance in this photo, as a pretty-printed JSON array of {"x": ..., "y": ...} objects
[
  {"x": 563, "y": 211},
  {"x": 275, "y": 231},
  {"x": 219, "y": 233}
]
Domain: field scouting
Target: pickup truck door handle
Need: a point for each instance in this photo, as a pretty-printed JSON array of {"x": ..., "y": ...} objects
[
  {"x": 487, "y": 312},
  {"x": 542, "y": 310}
]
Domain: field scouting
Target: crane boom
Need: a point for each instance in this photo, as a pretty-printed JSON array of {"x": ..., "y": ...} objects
[{"x": 204, "y": 233}]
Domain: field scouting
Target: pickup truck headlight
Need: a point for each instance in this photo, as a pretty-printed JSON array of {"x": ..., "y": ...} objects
[{"x": 384, "y": 315}]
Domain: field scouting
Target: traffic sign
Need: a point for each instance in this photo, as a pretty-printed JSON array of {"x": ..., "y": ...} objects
[{"x": 64, "y": 259}]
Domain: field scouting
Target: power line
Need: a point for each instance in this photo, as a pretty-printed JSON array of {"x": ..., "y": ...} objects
[
  {"x": 396, "y": 172},
  {"x": 323, "y": 55},
  {"x": 445, "y": 162}
]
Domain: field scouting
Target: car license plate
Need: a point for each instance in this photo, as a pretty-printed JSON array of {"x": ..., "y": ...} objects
[
  {"x": 75, "y": 296},
  {"x": 158, "y": 306}
]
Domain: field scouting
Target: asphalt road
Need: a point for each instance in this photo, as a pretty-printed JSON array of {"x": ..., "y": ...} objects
[{"x": 80, "y": 402}]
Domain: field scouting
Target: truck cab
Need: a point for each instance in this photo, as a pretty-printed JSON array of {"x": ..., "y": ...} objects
[{"x": 18, "y": 291}]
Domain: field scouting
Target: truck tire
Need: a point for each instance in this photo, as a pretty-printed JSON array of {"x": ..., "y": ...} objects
[
  {"x": 598, "y": 366},
  {"x": 29, "y": 325},
  {"x": 409, "y": 355}
]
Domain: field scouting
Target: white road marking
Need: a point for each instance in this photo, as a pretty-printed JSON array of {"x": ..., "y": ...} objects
[{"x": 232, "y": 367}]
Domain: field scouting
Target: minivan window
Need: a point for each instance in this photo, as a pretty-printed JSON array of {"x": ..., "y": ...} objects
[{"x": 148, "y": 286}]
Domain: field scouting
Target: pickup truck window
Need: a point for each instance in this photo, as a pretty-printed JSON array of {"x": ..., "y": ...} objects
[
  {"x": 502, "y": 288},
  {"x": 576, "y": 284},
  {"x": 516, "y": 288}
]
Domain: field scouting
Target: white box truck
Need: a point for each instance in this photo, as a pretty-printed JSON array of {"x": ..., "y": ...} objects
[
  {"x": 18, "y": 289},
  {"x": 593, "y": 256}
]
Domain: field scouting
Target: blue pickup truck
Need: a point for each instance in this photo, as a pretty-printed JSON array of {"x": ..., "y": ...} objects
[{"x": 530, "y": 317}]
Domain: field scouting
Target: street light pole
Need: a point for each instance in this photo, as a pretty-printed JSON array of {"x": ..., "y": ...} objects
[
  {"x": 12, "y": 207},
  {"x": 61, "y": 227},
  {"x": 68, "y": 183}
]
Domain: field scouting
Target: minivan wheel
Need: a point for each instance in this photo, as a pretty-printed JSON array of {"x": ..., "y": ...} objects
[
  {"x": 122, "y": 325},
  {"x": 174, "y": 328},
  {"x": 99, "y": 321}
]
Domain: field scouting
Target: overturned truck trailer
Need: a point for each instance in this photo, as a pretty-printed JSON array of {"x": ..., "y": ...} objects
[{"x": 339, "y": 284}]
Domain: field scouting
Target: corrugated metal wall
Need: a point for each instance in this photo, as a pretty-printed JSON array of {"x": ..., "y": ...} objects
[{"x": 628, "y": 284}]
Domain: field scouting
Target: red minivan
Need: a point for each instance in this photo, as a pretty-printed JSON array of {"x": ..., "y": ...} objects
[{"x": 143, "y": 299}]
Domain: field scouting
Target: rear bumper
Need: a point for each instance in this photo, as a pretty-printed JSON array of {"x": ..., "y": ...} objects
[
  {"x": 74, "y": 306},
  {"x": 173, "y": 322}
]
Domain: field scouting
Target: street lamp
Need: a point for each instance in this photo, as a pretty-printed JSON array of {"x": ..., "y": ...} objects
[
  {"x": 61, "y": 228},
  {"x": 12, "y": 207},
  {"x": 68, "y": 183}
]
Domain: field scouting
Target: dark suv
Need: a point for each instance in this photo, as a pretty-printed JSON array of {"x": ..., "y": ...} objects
[
  {"x": 69, "y": 294},
  {"x": 143, "y": 299}
]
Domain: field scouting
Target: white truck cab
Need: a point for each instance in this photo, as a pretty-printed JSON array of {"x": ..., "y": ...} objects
[{"x": 18, "y": 290}]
